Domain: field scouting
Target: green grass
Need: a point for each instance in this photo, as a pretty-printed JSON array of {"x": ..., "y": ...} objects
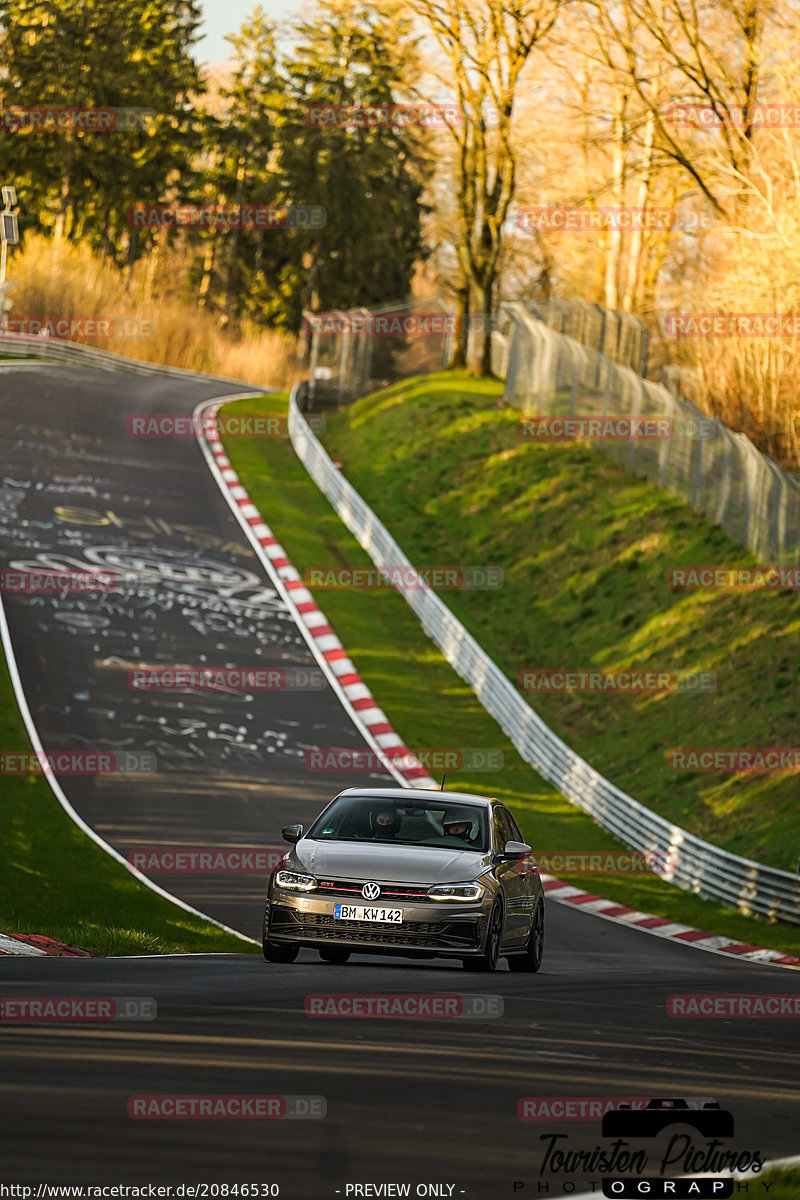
[
  {"x": 585, "y": 548},
  {"x": 783, "y": 1185},
  {"x": 55, "y": 881},
  {"x": 422, "y": 696}
]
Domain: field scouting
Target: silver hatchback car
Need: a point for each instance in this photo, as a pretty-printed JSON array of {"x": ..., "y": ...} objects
[{"x": 408, "y": 872}]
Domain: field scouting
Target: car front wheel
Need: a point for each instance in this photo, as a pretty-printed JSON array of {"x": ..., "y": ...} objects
[
  {"x": 334, "y": 954},
  {"x": 531, "y": 960},
  {"x": 275, "y": 953},
  {"x": 487, "y": 961}
]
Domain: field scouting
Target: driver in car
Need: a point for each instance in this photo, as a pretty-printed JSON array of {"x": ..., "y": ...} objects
[
  {"x": 457, "y": 823},
  {"x": 384, "y": 824}
]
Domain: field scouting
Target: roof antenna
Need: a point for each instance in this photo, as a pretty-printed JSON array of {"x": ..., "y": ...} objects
[{"x": 441, "y": 789}]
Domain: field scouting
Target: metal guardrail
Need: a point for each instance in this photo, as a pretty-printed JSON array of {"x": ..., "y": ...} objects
[
  {"x": 24, "y": 345},
  {"x": 685, "y": 860}
]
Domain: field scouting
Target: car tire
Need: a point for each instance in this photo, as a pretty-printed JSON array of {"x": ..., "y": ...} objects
[
  {"x": 278, "y": 953},
  {"x": 487, "y": 960},
  {"x": 531, "y": 960},
  {"x": 334, "y": 954}
]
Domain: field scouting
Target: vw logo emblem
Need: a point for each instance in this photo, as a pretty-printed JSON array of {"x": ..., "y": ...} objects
[{"x": 370, "y": 891}]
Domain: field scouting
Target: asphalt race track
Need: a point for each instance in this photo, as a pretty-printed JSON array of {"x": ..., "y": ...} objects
[
  {"x": 423, "y": 1101},
  {"x": 78, "y": 492}
]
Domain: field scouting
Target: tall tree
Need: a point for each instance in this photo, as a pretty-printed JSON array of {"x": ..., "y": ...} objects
[
  {"x": 89, "y": 54},
  {"x": 485, "y": 45},
  {"x": 369, "y": 176},
  {"x": 681, "y": 56},
  {"x": 239, "y": 170}
]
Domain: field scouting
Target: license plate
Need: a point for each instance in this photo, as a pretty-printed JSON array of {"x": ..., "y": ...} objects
[{"x": 356, "y": 912}]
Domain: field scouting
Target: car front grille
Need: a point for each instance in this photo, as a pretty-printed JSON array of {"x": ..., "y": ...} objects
[
  {"x": 419, "y": 934},
  {"x": 409, "y": 933},
  {"x": 389, "y": 891}
]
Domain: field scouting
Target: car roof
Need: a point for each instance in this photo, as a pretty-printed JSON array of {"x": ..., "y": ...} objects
[{"x": 419, "y": 794}]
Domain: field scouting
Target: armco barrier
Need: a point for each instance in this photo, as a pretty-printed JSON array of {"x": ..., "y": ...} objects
[
  {"x": 689, "y": 862},
  {"x": 25, "y": 345}
]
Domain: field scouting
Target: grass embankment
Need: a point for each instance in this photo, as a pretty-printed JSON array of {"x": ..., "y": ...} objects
[
  {"x": 783, "y": 1185},
  {"x": 585, "y": 549},
  {"x": 432, "y": 481},
  {"x": 55, "y": 881}
]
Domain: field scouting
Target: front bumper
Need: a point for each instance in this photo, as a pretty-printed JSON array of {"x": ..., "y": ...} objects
[{"x": 458, "y": 930}]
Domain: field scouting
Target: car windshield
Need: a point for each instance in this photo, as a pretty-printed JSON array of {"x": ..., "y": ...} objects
[{"x": 416, "y": 822}]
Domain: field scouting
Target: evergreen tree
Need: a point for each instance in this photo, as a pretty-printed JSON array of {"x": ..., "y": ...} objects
[
  {"x": 89, "y": 54},
  {"x": 240, "y": 266},
  {"x": 370, "y": 179}
]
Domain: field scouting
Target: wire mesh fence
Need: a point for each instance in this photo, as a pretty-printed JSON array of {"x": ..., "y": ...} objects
[
  {"x": 594, "y": 371},
  {"x": 357, "y": 351},
  {"x": 621, "y": 337},
  {"x": 717, "y": 471}
]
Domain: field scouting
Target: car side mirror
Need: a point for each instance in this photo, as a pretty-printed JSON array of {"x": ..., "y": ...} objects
[
  {"x": 292, "y": 833},
  {"x": 513, "y": 850}
]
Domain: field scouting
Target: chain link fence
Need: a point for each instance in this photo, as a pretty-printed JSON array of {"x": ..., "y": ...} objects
[
  {"x": 357, "y": 351},
  {"x": 717, "y": 471},
  {"x": 621, "y": 337},
  {"x": 571, "y": 359}
]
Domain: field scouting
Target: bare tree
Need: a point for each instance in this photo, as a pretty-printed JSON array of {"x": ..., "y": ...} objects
[
  {"x": 485, "y": 45},
  {"x": 695, "y": 66}
]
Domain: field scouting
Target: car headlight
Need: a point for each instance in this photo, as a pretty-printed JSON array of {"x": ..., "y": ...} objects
[
  {"x": 295, "y": 882},
  {"x": 456, "y": 891}
]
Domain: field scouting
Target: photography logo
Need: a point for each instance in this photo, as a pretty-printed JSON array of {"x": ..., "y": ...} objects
[
  {"x": 661, "y": 1116},
  {"x": 690, "y": 1160},
  {"x": 710, "y": 1121}
]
